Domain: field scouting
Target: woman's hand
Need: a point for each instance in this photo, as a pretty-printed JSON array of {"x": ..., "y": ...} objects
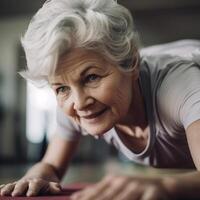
[
  {"x": 30, "y": 187},
  {"x": 124, "y": 188}
]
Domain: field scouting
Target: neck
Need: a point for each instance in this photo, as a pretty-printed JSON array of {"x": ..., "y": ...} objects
[{"x": 136, "y": 117}]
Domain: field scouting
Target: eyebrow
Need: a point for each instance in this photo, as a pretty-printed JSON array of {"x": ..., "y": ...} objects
[
  {"x": 56, "y": 84},
  {"x": 87, "y": 69},
  {"x": 81, "y": 74}
]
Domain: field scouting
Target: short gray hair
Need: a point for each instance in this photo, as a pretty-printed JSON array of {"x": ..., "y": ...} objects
[{"x": 62, "y": 25}]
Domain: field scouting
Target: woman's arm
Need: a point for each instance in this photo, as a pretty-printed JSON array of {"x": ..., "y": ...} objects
[
  {"x": 44, "y": 176},
  {"x": 175, "y": 186},
  {"x": 188, "y": 185},
  {"x": 59, "y": 154}
]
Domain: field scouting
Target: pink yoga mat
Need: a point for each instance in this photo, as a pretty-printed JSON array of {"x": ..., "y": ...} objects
[{"x": 67, "y": 191}]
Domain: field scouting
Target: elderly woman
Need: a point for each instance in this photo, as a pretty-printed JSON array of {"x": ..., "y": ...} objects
[{"x": 146, "y": 103}]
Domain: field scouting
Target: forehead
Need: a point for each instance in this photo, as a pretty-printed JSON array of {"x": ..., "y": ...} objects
[
  {"x": 76, "y": 61},
  {"x": 78, "y": 58}
]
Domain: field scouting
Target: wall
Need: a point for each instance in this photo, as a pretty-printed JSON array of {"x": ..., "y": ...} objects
[{"x": 11, "y": 29}]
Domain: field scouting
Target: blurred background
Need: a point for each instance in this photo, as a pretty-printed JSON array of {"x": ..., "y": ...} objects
[{"x": 27, "y": 114}]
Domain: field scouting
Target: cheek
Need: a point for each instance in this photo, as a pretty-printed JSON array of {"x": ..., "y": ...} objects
[
  {"x": 121, "y": 100},
  {"x": 60, "y": 101},
  {"x": 123, "y": 97},
  {"x": 66, "y": 106},
  {"x": 117, "y": 96}
]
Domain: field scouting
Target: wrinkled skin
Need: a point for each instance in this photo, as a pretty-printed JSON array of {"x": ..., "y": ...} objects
[
  {"x": 30, "y": 187},
  {"x": 124, "y": 188}
]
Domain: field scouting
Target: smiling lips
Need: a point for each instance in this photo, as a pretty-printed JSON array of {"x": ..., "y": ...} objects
[{"x": 94, "y": 115}]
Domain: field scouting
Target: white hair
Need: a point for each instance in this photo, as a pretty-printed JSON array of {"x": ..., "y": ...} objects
[{"x": 62, "y": 25}]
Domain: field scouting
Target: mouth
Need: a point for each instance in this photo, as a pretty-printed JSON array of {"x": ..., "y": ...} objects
[{"x": 95, "y": 115}]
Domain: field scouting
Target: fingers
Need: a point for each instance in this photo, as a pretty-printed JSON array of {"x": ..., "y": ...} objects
[
  {"x": 87, "y": 194},
  {"x": 90, "y": 193},
  {"x": 6, "y": 189},
  {"x": 40, "y": 186},
  {"x": 1, "y": 186},
  {"x": 150, "y": 194},
  {"x": 30, "y": 187},
  {"x": 54, "y": 188},
  {"x": 35, "y": 186},
  {"x": 120, "y": 184},
  {"x": 132, "y": 191},
  {"x": 153, "y": 193},
  {"x": 107, "y": 189},
  {"x": 122, "y": 188},
  {"x": 20, "y": 188}
]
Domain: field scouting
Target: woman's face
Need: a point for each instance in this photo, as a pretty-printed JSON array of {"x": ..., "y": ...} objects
[{"x": 92, "y": 91}]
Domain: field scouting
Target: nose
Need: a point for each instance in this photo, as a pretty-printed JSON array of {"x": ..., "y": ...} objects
[{"x": 81, "y": 100}]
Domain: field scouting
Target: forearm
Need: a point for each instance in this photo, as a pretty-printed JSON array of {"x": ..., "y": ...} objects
[{"x": 55, "y": 161}]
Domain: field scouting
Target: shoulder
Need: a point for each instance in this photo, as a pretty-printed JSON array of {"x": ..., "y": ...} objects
[
  {"x": 159, "y": 57},
  {"x": 178, "y": 93},
  {"x": 173, "y": 70},
  {"x": 170, "y": 60}
]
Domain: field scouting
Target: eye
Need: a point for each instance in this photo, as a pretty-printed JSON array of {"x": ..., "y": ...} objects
[
  {"x": 62, "y": 90},
  {"x": 92, "y": 78}
]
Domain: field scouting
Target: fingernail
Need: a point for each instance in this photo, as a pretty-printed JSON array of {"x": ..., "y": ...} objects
[
  {"x": 29, "y": 194},
  {"x": 58, "y": 187},
  {"x": 14, "y": 194}
]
